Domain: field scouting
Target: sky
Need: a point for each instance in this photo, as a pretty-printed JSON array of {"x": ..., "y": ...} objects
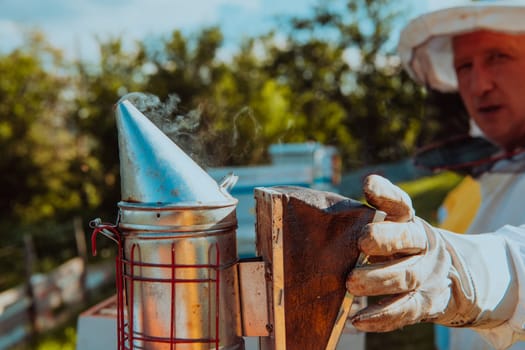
[{"x": 74, "y": 25}]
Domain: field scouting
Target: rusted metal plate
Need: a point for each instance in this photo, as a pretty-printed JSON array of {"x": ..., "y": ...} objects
[{"x": 308, "y": 241}]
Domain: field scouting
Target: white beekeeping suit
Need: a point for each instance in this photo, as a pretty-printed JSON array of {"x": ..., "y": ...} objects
[
  {"x": 498, "y": 193},
  {"x": 502, "y": 190}
]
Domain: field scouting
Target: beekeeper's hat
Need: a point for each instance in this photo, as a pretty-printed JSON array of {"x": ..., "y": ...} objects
[{"x": 425, "y": 46}]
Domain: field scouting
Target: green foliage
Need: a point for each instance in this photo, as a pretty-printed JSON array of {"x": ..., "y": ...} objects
[
  {"x": 35, "y": 146},
  {"x": 64, "y": 341},
  {"x": 346, "y": 83},
  {"x": 96, "y": 90}
]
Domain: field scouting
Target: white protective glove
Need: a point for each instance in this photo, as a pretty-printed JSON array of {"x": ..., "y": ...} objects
[{"x": 428, "y": 274}]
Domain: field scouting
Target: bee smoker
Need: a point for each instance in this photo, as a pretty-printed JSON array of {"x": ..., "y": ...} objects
[{"x": 175, "y": 266}]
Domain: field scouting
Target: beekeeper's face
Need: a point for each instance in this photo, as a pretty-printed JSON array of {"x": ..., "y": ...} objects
[{"x": 490, "y": 68}]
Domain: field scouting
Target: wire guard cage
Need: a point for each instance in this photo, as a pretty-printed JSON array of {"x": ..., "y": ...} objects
[{"x": 167, "y": 304}]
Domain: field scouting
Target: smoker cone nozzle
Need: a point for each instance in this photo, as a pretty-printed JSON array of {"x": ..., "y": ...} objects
[{"x": 153, "y": 169}]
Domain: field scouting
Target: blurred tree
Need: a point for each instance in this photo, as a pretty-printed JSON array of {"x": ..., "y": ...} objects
[
  {"x": 349, "y": 89},
  {"x": 252, "y": 108},
  {"x": 33, "y": 136},
  {"x": 37, "y": 147},
  {"x": 98, "y": 87},
  {"x": 334, "y": 78},
  {"x": 213, "y": 119}
]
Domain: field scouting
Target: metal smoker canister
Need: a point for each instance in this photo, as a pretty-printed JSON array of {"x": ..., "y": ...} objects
[{"x": 177, "y": 245}]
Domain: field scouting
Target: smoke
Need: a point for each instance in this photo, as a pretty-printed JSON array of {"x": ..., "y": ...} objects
[
  {"x": 247, "y": 114},
  {"x": 179, "y": 127},
  {"x": 207, "y": 146},
  {"x": 165, "y": 114}
]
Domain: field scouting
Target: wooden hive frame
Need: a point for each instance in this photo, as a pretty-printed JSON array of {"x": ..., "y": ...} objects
[{"x": 308, "y": 242}]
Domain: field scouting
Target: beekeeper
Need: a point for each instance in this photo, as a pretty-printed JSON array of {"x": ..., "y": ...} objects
[{"x": 428, "y": 274}]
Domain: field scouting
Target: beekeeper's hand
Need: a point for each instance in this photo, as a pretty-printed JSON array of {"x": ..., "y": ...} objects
[{"x": 428, "y": 274}]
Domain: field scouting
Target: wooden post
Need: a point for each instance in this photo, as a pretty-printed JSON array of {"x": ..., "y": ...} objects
[
  {"x": 80, "y": 239},
  {"x": 308, "y": 241},
  {"x": 30, "y": 260}
]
